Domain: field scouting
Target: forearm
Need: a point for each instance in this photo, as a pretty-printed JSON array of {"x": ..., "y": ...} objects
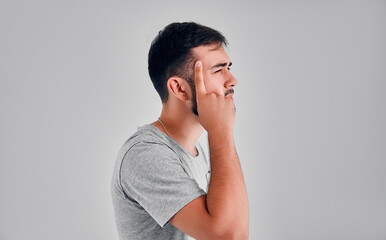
[{"x": 227, "y": 197}]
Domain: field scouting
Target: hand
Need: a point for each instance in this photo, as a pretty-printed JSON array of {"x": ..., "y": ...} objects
[{"x": 216, "y": 112}]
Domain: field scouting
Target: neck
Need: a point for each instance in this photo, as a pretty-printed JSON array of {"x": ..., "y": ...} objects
[{"x": 183, "y": 127}]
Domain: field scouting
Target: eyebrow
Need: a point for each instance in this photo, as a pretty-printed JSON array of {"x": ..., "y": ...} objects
[{"x": 221, "y": 65}]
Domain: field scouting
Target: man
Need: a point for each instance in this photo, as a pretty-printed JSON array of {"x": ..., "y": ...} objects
[{"x": 163, "y": 186}]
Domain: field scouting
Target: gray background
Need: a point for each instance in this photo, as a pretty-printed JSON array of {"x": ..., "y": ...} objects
[{"x": 310, "y": 127}]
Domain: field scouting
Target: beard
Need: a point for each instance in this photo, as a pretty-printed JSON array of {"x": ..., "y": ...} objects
[{"x": 194, "y": 101}]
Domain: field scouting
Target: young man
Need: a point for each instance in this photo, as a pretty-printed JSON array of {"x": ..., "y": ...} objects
[{"x": 163, "y": 186}]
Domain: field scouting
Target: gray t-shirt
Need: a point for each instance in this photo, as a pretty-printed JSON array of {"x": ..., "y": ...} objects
[{"x": 154, "y": 177}]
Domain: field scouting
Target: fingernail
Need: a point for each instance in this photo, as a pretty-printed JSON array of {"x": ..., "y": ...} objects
[{"x": 198, "y": 64}]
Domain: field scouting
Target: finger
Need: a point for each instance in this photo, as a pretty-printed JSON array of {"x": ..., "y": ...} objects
[{"x": 199, "y": 79}]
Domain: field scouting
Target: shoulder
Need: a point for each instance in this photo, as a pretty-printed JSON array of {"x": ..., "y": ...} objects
[
  {"x": 146, "y": 151},
  {"x": 148, "y": 148},
  {"x": 151, "y": 164}
]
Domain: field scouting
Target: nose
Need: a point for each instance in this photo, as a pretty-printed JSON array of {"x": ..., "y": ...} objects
[{"x": 231, "y": 81}]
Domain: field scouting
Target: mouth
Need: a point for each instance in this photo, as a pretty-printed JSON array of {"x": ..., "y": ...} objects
[{"x": 229, "y": 92}]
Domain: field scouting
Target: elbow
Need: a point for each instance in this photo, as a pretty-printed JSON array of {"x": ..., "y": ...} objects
[
  {"x": 232, "y": 234},
  {"x": 230, "y": 231}
]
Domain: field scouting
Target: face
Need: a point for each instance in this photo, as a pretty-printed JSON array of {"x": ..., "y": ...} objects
[{"x": 216, "y": 71}]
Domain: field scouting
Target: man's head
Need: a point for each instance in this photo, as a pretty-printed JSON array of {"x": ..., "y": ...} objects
[{"x": 174, "y": 52}]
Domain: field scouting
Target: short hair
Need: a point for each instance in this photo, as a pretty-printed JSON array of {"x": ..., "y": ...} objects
[{"x": 170, "y": 53}]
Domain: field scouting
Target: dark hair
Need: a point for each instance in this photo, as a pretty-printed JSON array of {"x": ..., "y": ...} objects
[{"x": 170, "y": 53}]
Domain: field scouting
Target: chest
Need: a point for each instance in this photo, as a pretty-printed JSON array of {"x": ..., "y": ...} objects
[{"x": 199, "y": 170}]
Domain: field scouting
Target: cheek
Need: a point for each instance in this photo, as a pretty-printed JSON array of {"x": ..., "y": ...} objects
[{"x": 213, "y": 83}]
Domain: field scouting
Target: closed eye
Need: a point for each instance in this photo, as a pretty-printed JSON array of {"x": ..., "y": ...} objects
[{"x": 221, "y": 70}]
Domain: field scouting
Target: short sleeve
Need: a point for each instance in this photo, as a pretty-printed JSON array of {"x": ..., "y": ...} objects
[{"x": 153, "y": 175}]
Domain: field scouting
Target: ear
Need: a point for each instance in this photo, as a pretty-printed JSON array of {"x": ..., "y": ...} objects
[{"x": 179, "y": 88}]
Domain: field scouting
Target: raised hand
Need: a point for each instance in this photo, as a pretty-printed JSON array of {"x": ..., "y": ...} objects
[{"x": 216, "y": 112}]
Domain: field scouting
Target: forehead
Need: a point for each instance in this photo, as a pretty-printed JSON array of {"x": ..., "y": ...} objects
[{"x": 210, "y": 53}]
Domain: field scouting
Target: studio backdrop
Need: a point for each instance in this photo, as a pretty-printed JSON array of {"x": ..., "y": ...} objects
[{"x": 310, "y": 128}]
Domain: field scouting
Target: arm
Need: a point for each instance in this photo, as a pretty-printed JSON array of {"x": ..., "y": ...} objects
[{"x": 223, "y": 212}]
